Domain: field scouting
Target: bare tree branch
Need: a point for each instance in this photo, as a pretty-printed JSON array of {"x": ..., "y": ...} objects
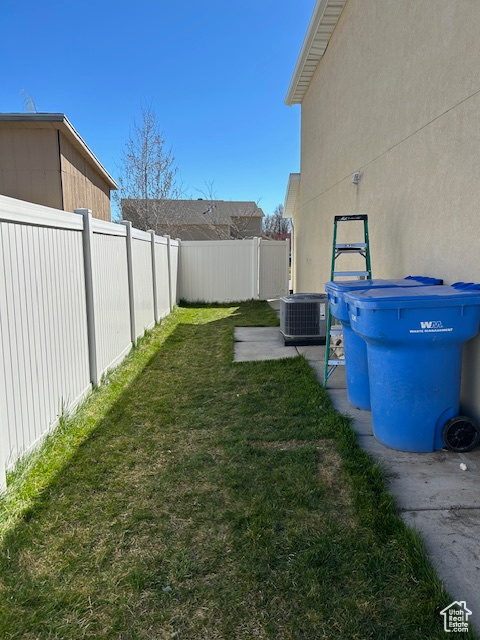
[
  {"x": 275, "y": 226},
  {"x": 148, "y": 174},
  {"x": 151, "y": 198}
]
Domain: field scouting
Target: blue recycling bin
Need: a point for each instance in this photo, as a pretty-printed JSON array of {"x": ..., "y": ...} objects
[
  {"x": 356, "y": 368},
  {"x": 414, "y": 341}
]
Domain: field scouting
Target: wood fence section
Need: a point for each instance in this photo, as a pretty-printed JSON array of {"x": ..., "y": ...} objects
[
  {"x": 233, "y": 270},
  {"x": 75, "y": 293}
]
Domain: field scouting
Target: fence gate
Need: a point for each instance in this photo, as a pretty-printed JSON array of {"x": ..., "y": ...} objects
[
  {"x": 273, "y": 269},
  {"x": 233, "y": 270}
]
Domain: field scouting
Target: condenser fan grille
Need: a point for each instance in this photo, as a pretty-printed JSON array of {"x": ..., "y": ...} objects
[{"x": 303, "y": 318}]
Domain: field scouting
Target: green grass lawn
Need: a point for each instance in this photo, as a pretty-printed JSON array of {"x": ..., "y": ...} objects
[{"x": 198, "y": 499}]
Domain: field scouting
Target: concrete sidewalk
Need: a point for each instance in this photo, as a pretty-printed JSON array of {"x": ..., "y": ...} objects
[{"x": 433, "y": 494}]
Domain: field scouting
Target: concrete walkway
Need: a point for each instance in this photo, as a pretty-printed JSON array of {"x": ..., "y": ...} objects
[{"x": 432, "y": 492}]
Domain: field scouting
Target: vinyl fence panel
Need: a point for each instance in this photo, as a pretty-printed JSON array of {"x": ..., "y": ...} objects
[
  {"x": 77, "y": 292},
  {"x": 174, "y": 260},
  {"x": 142, "y": 281},
  {"x": 111, "y": 294},
  {"x": 43, "y": 331},
  {"x": 218, "y": 270},
  {"x": 233, "y": 270},
  {"x": 273, "y": 267},
  {"x": 162, "y": 277}
]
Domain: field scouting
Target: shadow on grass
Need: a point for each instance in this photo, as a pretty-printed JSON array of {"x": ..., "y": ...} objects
[
  {"x": 116, "y": 388},
  {"x": 185, "y": 514}
]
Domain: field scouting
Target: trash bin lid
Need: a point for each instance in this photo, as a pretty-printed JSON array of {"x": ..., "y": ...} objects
[
  {"x": 457, "y": 295},
  {"x": 343, "y": 286}
]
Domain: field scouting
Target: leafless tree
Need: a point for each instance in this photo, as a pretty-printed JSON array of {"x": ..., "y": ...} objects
[
  {"x": 151, "y": 197},
  {"x": 148, "y": 173},
  {"x": 275, "y": 226}
]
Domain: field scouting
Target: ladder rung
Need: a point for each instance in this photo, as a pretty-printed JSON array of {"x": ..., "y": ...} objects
[
  {"x": 340, "y": 252},
  {"x": 337, "y": 363},
  {"x": 351, "y": 273},
  {"x": 351, "y": 246},
  {"x": 360, "y": 216},
  {"x": 336, "y": 332}
]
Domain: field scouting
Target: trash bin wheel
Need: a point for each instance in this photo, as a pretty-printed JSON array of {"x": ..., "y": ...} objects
[{"x": 460, "y": 434}]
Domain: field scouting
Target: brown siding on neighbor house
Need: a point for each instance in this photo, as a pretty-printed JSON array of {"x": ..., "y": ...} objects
[
  {"x": 83, "y": 187},
  {"x": 30, "y": 166}
]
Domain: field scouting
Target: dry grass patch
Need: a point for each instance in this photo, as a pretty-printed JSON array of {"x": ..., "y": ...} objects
[{"x": 329, "y": 471}]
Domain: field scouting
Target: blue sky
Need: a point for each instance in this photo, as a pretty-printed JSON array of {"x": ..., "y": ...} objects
[{"x": 215, "y": 72}]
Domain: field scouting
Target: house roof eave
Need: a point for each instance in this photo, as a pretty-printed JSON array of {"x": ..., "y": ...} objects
[
  {"x": 322, "y": 24},
  {"x": 291, "y": 195}
]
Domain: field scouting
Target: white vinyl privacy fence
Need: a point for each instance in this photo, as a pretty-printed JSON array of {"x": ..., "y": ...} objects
[
  {"x": 76, "y": 293},
  {"x": 233, "y": 270}
]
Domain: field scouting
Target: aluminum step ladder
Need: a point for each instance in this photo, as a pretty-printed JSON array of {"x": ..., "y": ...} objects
[{"x": 334, "y": 355}]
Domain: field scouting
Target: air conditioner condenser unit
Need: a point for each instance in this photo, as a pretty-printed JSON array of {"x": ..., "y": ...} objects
[{"x": 303, "y": 318}]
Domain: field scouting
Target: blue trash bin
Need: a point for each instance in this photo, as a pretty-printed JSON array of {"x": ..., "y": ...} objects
[
  {"x": 414, "y": 343},
  {"x": 356, "y": 369}
]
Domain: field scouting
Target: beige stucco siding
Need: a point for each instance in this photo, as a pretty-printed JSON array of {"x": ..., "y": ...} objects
[
  {"x": 396, "y": 96},
  {"x": 29, "y": 166},
  {"x": 83, "y": 187}
]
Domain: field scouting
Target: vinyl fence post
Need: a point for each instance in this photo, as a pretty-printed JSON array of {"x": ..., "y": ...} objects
[
  {"x": 254, "y": 267},
  {"x": 3, "y": 471},
  {"x": 131, "y": 290},
  {"x": 287, "y": 257},
  {"x": 5, "y": 449},
  {"x": 4, "y": 439},
  {"x": 89, "y": 293},
  {"x": 259, "y": 267},
  {"x": 257, "y": 270},
  {"x": 169, "y": 264},
  {"x": 154, "y": 278}
]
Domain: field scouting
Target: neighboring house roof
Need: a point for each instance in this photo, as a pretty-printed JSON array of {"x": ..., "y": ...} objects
[
  {"x": 60, "y": 122},
  {"x": 324, "y": 20},
  {"x": 197, "y": 212},
  {"x": 207, "y": 211},
  {"x": 291, "y": 197}
]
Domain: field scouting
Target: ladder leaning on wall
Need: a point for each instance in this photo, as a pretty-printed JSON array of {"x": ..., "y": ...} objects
[{"x": 334, "y": 336}]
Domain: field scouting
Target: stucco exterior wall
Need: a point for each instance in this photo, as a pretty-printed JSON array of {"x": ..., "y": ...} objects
[{"x": 396, "y": 96}]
